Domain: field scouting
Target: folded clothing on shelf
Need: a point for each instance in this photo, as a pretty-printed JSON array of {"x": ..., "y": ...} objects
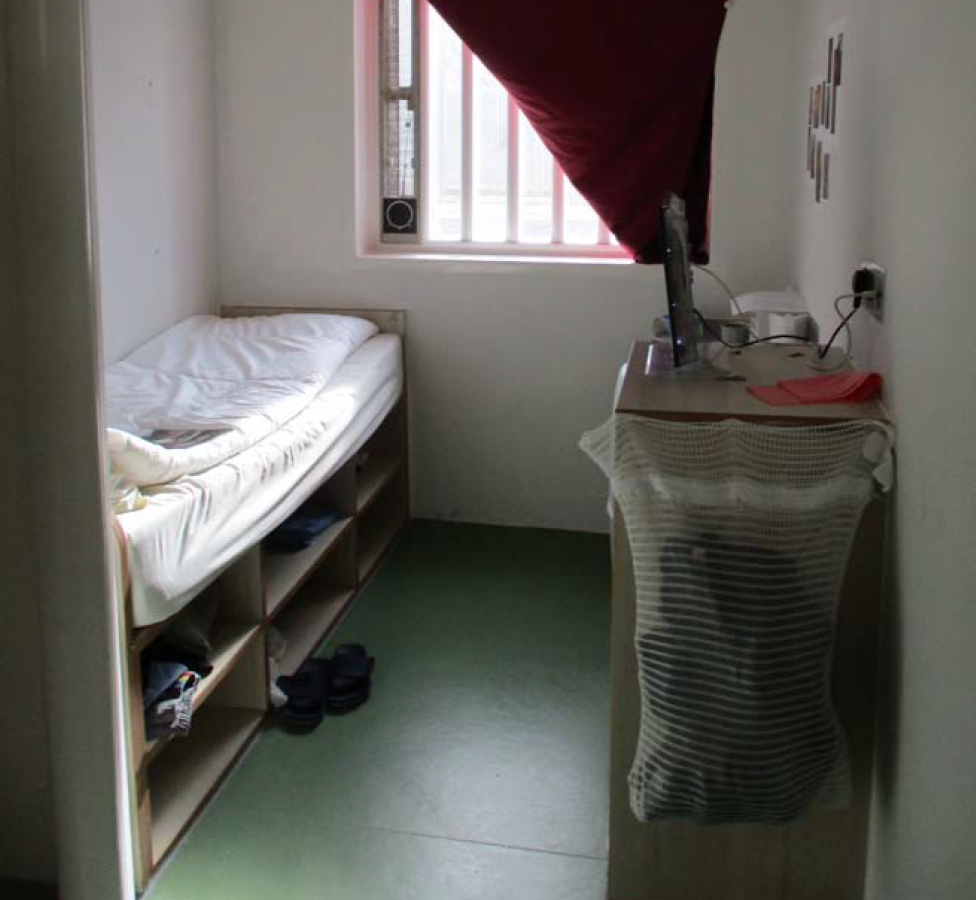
[
  {"x": 189, "y": 631},
  {"x": 302, "y": 527},
  {"x": 157, "y": 678},
  {"x": 168, "y": 699},
  {"x": 186, "y": 640},
  {"x": 173, "y": 666},
  {"x": 846, "y": 387}
]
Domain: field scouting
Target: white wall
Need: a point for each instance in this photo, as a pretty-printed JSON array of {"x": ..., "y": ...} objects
[
  {"x": 155, "y": 178},
  {"x": 508, "y": 363},
  {"x": 62, "y": 529},
  {"x": 905, "y": 194},
  {"x": 25, "y": 789}
]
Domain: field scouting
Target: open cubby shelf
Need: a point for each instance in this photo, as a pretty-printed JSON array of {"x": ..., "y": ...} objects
[
  {"x": 303, "y": 595},
  {"x": 308, "y": 621},
  {"x": 184, "y": 777},
  {"x": 283, "y": 574},
  {"x": 376, "y": 539},
  {"x": 372, "y": 478},
  {"x": 229, "y": 640}
]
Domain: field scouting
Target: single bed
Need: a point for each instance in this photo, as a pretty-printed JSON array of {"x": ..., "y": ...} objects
[
  {"x": 297, "y": 417},
  {"x": 192, "y": 528}
]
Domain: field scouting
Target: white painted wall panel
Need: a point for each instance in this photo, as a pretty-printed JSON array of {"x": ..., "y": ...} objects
[
  {"x": 154, "y": 153},
  {"x": 905, "y": 194}
]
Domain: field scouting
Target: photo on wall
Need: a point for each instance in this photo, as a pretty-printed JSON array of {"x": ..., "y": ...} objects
[{"x": 824, "y": 115}]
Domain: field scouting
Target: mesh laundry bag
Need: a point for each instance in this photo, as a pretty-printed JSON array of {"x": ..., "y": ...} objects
[{"x": 740, "y": 535}]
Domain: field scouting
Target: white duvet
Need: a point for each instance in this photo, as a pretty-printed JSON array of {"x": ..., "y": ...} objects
[
  {"x": 191, "y": 529},
  {"x": 209, "y": 388}
]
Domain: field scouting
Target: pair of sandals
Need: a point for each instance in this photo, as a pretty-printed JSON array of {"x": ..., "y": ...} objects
[{"x": 335, "y": 685}]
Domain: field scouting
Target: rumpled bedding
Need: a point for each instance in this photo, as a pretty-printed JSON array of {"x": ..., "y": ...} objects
[{"x": 210, "y": 388}]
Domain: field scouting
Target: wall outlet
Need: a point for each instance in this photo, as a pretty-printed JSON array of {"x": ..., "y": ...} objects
[{"x": 870, "y": 277}]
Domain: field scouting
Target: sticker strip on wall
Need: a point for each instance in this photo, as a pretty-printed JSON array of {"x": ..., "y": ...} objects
[{"x": 823, "y": 140}]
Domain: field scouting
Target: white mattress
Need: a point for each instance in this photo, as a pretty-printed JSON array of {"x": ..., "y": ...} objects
[{"x": 194, "y": 527}]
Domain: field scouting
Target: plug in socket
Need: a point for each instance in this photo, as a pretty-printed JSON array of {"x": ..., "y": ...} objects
[{"x": 870, "y": 277}]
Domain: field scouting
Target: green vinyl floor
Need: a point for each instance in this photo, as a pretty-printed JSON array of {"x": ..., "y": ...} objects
[{"x": 477, "y": 770}]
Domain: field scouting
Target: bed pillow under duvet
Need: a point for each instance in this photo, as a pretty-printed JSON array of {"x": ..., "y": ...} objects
[{"x": 209, "y": 388}]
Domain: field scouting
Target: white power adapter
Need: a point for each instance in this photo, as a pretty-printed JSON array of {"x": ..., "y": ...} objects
[{"x": 784, "y": 327}]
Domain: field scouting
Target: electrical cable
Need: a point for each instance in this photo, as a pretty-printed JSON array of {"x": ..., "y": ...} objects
[
  {"x": 816, "y": 362},
  {"x": 725, "y": 287},
  {"x": 844, "y": 325},
  {"x": 847, "y": 328},
  {"x": 821, "y": 351},
  {"x": 752, "y": 343}
]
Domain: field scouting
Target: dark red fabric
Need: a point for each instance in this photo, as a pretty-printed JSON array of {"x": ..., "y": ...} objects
[{"x": 619, "y": 90}]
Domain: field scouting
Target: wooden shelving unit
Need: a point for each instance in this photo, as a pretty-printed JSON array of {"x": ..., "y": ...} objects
[
  {"x": 303, "y": 595},
  {"x": 307, "y": 623},
  {"x": 378, "y": 526},
  {"x": 284, "y": 574},
  {"x": 191, "y": 770},
  {"x": 335, "y": 568},
  {"x": 373, "y": 478},
  {"x": 229, "y": 641}
]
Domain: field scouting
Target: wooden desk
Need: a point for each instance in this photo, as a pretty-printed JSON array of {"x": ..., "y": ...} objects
[
  {"x": 652, "y": 388},
  {"x": 822, "y": 856}
]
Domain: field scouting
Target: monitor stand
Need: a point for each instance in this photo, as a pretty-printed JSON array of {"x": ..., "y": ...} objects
[{"x": 660, "y": 360}]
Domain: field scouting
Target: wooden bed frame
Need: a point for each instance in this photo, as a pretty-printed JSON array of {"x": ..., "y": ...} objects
[{"x": 304, "y": 595}]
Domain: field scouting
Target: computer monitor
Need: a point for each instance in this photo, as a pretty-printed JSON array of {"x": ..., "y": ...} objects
[{"x": 685, "y": 327}]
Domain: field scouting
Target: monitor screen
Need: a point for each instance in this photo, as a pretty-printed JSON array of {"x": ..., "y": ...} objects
[{"x": 684, "y": 327}]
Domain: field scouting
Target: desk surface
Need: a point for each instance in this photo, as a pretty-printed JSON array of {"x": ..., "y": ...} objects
[{"x": 652, "y": 388}]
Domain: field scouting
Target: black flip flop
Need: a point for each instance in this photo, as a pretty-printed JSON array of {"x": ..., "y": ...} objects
[
  {"x": 338, "y": 704},
  {"x": 308, "y": 693},
  {"x": 350, "y": 663},
  {"x": 349, "y": 686}
]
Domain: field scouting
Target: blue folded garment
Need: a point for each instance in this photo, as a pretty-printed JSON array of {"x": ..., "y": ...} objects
[
  {"x": 302, "y": 527},
  {"x": 157, "y": 678}
]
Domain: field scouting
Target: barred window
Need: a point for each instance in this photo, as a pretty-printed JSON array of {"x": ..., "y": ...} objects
[{"x": 460, "y": 164}]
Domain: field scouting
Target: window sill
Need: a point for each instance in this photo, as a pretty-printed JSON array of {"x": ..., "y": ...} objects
[{"x": 491, "y": 257}]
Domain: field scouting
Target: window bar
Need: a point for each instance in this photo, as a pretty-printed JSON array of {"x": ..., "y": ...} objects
[
  {"x": 512, "y": 187},
  {"x": 467, "y": 142},
  {"x": 420, "y": 17},
  {"x": 558, "y": 202}
]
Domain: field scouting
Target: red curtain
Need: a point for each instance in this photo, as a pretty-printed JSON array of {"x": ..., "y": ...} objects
[{"x": 619, "y": 90}]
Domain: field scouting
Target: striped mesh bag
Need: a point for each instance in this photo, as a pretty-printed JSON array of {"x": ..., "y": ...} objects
[{"x": 740, "y": 535}]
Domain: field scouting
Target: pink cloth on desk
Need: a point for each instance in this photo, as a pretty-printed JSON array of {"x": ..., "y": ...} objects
[{"x": 847, "y": 387}]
